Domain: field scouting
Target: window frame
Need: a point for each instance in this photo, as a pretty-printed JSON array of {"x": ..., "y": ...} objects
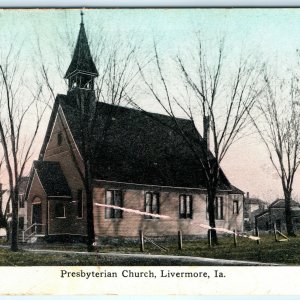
[
  {"x": 111, "y": 213},
  {"x": 59, "y": 138},
  {"x": 219, "y": 208},
  {"x": 235, "y": 207},
  {"x": 151, "y": 206},
  {"x": 216, "y": 204},
  {"x": 64, "y": 210},
  {"x": 185, "y": 214},
  {"x": 21, "y": 198}
]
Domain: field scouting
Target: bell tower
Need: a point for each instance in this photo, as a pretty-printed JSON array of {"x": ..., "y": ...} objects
[{"x": 82, "y": 70}]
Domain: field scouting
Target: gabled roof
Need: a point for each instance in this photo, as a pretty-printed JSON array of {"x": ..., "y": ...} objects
[
  {"x": 280, "y": 203},
  {"x": 139, "y": 147},
  {"x": 262, "y": 214},
  {"x": 82, "y": 60},
  {"x": 235, "y": 190},
  {"x": 52, "y": 179}
]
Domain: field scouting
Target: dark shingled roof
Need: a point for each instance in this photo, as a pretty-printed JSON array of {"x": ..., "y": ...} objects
[
  {"x": 82, "y": 58},
  {"x": 139, "y": 147},
  {"x": 52, "y": 178},
  {"x": 280, "y": 203},
  {"x": 235, "y": 190}
]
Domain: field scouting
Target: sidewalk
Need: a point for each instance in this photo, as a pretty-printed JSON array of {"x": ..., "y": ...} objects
[{"x": 122, "y": 259}]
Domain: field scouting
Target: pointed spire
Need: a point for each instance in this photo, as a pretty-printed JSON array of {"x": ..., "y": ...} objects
[
  {"x": 81, "y": 14},
  {"x": 82, "y": 61}
]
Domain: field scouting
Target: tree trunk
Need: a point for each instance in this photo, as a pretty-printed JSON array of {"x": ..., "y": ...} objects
[
  {"x": 90, "y": 221},
  {"x": 7, "y": 232},
  {"x": 211, "y": 195},
  {"x": 89, "y": 208},
  {"x": 288, "y": 214},
  {"x": 14, "y": 223}
]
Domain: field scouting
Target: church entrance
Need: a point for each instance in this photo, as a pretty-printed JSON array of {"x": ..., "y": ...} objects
[{"x": 37, "y": 216}]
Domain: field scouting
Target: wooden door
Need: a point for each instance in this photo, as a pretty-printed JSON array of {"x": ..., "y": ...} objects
[{"x": 37, "y": 216}]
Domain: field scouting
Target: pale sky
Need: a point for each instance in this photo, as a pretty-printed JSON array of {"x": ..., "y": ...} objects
[{"x": 271, "y": 34}]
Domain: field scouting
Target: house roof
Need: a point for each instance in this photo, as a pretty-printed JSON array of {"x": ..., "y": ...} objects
[
  {"x": 82, "y": 60},
  {"x": 254, "y": 201},
  {"x": 52, "y": 179},
  {"x": 262, "y": 214},
  {"x": 139, "y": 147},
  {"x": 235, "y": 190},
  {"x": 280, "y": 203}
]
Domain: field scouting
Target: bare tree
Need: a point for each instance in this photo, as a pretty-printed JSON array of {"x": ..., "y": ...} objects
[
  {"x": 117, "y": 73},
  {"x": 217, "y": 91},
  {"x": 3, "y": 216},
  {"x": 16, "y": 142},
  {"x": 278, "y": 126},
  {"x": 114, "y": 81}
]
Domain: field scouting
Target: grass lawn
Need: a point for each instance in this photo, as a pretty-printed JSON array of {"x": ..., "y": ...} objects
[{"x": 268, "y": 251}]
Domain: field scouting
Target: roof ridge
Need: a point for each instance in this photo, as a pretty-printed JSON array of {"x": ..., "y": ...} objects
[{"x": 143, "y": 111}]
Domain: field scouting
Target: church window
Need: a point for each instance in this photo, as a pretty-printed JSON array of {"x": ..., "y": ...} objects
[
  {"x": 21, "y": 201},
  {"x": 151, "y": 204},
  {"x": 185, "y": 207},
  {"x": 59, "y": 138},
  {"x": 113, "y": 197},
  {"x": 235, "y": 208},
  {"x": 219, "y": 208},
  {"x": 60, "y": 210}
]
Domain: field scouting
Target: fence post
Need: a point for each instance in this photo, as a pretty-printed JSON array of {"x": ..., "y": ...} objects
[
  {"x": 179, "y": 240},
  {"x": 234, "y": 238},
  {"x": 209, "y": 237},
  {"x": 257, "y": 234},
  {"x": 275, "y": 233},
  {"x": 142, "y": 246}
]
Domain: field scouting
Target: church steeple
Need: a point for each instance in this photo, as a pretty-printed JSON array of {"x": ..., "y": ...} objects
[{"x": 82, "y": 70}]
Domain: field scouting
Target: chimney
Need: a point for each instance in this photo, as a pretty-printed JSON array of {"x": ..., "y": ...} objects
[
  {"x": 206, "y": 130},
  {"x": 248, "y": 195}
]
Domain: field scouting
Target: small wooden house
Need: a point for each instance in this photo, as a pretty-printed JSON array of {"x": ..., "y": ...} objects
[{"x": 275, "y": 215}]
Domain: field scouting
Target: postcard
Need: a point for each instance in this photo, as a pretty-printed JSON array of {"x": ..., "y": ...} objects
[{"x": 149, "y": 151}]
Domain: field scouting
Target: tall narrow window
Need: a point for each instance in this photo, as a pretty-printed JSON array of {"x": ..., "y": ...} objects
[
  {"x": 59, "y": 138},
  {"x": 151, "y": 204},
  {"x": 79, "y": 204},
  {"x": 21, "y": 200},
  {"x": 235, "y": 208},
  {"x": 219, "y": 208},
  {"x": 118, "y": 202},
  {"x": 60, "y": 210},
  {"x": 113, "y": 197},
  {"x": 185, "y": 207}
]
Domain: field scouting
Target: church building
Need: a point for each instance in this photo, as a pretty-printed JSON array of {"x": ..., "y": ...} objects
[{"x": 139, "y": 163}]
